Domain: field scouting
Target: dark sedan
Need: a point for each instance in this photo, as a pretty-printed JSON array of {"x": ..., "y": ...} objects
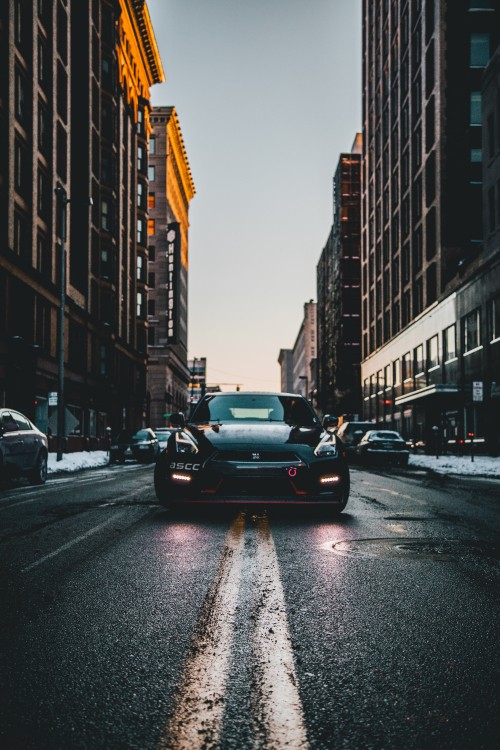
[
  {"x": 253, "y": 448},
  {"x": 141, "y": 445},
  {"x": 23, "y": 448},
  {"x": 383, "y": 445}
]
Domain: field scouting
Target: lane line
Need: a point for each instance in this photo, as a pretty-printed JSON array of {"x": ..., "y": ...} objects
[
  {"x": 279, "y": 706},
  {"x": 72, "y": 542},
  {"x": 197, "y": 712}
]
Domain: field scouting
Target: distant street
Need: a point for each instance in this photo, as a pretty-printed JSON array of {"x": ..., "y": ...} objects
[{"x": 124, "y": 627}]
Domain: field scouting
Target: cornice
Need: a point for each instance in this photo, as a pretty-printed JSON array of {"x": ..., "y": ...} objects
[
  {"x": 143, "y": 19},
  {"x": 176, "y": 141}
]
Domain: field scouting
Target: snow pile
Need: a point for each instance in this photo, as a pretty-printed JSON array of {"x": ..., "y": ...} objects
[
  {"x": 484, "y": 466},
  {"x": 76, "y": 461}
]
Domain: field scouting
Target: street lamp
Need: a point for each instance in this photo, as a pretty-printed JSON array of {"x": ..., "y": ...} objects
[{"x": 61, "y": 426}]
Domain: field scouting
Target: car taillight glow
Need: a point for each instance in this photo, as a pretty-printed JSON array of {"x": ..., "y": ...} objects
[
  {"x": 330, "y": 479},
  {"x": 181, "y": 477}
]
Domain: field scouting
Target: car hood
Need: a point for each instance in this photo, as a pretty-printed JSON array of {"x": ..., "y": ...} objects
[{"x": 255, "y": 435}]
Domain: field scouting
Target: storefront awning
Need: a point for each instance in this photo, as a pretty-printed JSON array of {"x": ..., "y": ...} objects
[{"x": 437, "y": 389}]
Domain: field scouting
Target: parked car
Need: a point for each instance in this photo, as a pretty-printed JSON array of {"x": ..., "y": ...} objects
[
  {"x": 383, "y": 445},
  {"x": 163, "y": 434},
  {"x": 23, "y": 447},
  {"x": 141, "y": 445},
  {"x": 351, "y": 433},
  {"x": 252, "y": 448}
]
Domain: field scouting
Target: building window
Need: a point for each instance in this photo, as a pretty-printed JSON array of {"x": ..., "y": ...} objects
[
  {"x": 419, "y": 359},
  {"x": 472, "y": 330},
  {"x": 481, "y": 5},
  {"x": 21, "y": 98},
  {"x": 476, "y": 155},
  {"x": 151, "y": 173},
  {"x": 449, "y": 343},
  {"x": 151, "y": 200},
  {"x": 494, "y": 319},
  {"x": 140, "y": 268},
  {"x": 151, "y": 307},
  {"x": 140, "y": 121},
  {"x": 432, "y": 353},
  {"x": 151, "y": 280},
  {"x": 140, "y": 195},
  {"x": 151, "y": 336},
  {"x": 140, "y": 305},
  {"x": 105, "y": 216},
  {"x": 479, "y": 50},
  {"x": 152, "y": 145},
  {"x": 407, "y": 366},
  {"x": 140, "y": 231},
  {"x": 140, "y": 158},
  {"x": 475, "y": 108},
  {"x": 396, "y": 375},
  {"x": 151, "y": 226},
  {"x": 151, "y": 252}
]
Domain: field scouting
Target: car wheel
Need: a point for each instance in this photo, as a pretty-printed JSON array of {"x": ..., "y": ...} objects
[
  {"x": 404, "y": 461},
  {"x": 38, "y": 475}
]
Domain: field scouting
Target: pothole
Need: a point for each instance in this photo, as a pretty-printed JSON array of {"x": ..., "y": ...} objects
[{"x": 415, "y": 548}]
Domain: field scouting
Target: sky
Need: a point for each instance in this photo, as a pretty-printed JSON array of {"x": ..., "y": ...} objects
[{"x": 268, "y": 95}]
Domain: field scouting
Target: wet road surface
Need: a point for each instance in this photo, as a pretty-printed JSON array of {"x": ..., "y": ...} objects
[{"x": 126, "y": 627}]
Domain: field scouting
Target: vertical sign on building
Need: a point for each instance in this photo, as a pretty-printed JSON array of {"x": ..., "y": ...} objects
[{"x": 172, "y": 285}]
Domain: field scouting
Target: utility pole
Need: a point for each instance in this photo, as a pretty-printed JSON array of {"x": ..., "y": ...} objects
[{"x": 61, "y": 422}]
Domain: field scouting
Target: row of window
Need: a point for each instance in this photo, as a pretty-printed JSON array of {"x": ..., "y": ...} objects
[{"x": 426, "y": 357}]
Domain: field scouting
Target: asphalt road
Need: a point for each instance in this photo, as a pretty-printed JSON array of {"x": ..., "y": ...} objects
[{"x": 124, "y": 627}]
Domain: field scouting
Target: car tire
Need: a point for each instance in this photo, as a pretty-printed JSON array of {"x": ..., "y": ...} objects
[
  {"x": 38, "y": 475},
  {"x": 404, "y": 461}
]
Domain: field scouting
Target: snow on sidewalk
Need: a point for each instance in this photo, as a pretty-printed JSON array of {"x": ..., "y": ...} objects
[{"x": 484, "y": 466}]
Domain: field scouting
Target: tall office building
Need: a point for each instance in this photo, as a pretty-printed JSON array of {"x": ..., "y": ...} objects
[
  {"x": 339, "y": 293},
  {"x": 74, "y": 115},
  {"x": 422, "y": 233},
  {"x": 171, "y": 189}
]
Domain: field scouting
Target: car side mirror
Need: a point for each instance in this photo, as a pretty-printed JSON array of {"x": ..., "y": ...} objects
[
  {"x": 177, "y": 420},
  {"x": 329, "y": 421}
]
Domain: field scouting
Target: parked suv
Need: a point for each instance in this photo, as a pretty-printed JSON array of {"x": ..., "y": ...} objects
[
  {"x": 351, "y": 433},
  {"x": 23, "y": 448}
]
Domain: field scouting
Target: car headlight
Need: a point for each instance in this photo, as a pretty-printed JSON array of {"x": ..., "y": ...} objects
[
  {"x": 184, "y": 443},
  {"x": 326, "y": 449}
]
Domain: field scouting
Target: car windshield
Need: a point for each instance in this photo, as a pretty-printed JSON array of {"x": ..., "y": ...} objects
[
  {"x": 163, "y": 436},
  {"x": 141, "y": 435},
  {"x": 250, "y": 407},
  {"x": 385, "y": 436}
]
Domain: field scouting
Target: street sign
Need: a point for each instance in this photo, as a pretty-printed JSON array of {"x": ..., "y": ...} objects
[
  {"x": 52, "y": 398},
  {"x": 477, "y": 390}
]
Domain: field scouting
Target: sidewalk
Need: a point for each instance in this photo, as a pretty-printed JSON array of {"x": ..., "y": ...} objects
[{"x": 482, "y": 466}]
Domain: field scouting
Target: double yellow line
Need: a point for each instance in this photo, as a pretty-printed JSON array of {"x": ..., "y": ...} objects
[{"x": 197, "y": 713}]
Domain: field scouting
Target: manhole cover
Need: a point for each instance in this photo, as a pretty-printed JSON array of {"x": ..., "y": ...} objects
[{"x": 416, "y": 548}]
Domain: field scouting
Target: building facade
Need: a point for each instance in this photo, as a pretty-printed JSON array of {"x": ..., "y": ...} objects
[
  {"x": 422, "y": 228},
  {"x": 74, "y": 116},
  {"x": 285, "y": 360},
  {"x": 339, "y": 293},
  {"x": 304, "y": 353},
  {"x": 171, "y": 189}
]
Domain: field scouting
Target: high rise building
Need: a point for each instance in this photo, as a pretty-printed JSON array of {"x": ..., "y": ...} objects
[
  {"x": 339, "y": 293},
  {"x": 74, "y": 116},
  {"x": 171, "y": 189},
  {"x": 422, "y": 231}
]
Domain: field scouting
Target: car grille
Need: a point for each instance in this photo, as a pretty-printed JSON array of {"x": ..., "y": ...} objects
[
  {"x": 256, "y": 487},
  {"x": 257, "y": 456}
]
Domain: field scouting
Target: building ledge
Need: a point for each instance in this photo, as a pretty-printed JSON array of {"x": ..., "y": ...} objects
[{"x": 430, "y": 390}]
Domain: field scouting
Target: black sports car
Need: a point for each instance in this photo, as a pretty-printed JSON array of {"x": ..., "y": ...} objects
[{"x": 253, "y": 448}]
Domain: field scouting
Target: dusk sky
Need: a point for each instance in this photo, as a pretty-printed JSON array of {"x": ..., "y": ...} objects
[{"x": 268, "y": 94}]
